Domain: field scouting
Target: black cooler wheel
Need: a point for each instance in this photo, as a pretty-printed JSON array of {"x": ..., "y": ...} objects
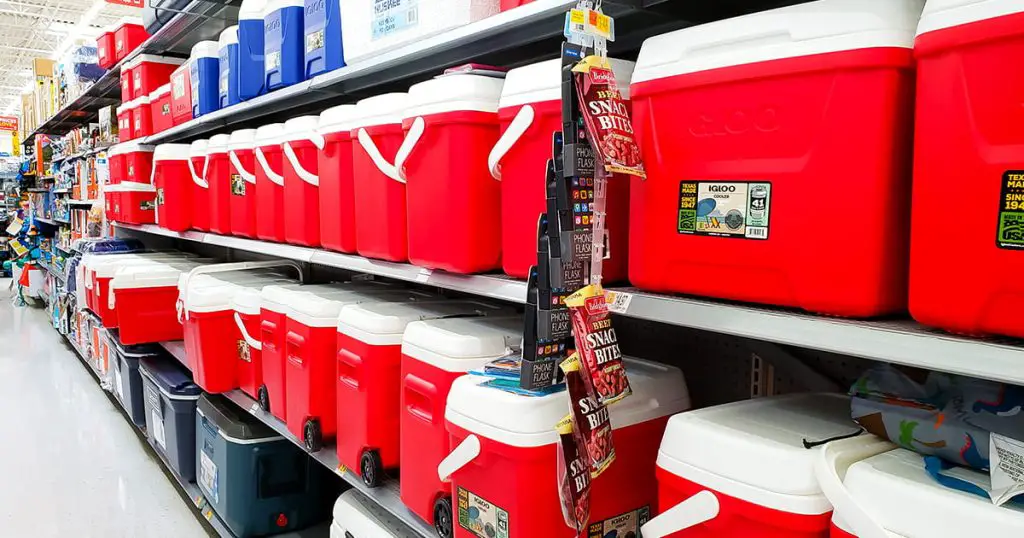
[
  {"x": 264, "y": 397},
  {"x": 371, "y": 469},
  {"x": 312, "y": 437},
  {"x": 443, "y": 517}
]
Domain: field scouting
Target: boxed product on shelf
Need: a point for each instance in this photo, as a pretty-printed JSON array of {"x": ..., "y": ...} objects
[
  {"x": 227, "y": 89},
  {"x": 131, "y": 202},
  {"x": 138, "y": 161},
  {"x": 142, "y": 117},
  {"x": 270, "y": 182},
  {"x": 283, "y": 43},
  {"x": 323, "y": 44},
  {"x": 170, "y": 397},
  {"x": 204, "y": 77},
  {"x": 127, "y": 382},
  {"x": 337, "y": 184},
  {"x": 724, "y": 214},
  {"x": 174, "y": 187},
  {"x": 181, "y": 94},
  {"x": 251, "y": 71},
  {"x": 243, "y": 183},
  {"x": 301, "y": 181}
]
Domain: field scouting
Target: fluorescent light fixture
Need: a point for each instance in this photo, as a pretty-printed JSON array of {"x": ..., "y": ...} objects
[{"x": 80, "y": 30}]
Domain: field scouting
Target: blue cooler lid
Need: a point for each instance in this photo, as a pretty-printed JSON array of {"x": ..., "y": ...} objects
[
  {"x": 169, "y": 376},
  {"x": 103, "y": 246},
  {"x": 232, "y": 421}
]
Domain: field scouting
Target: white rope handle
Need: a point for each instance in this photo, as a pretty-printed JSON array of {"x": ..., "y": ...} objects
[
  {"x": 413, "y": 136},
  {"x": 201, "y": 181},
  {"x": 303, "y": 174},
  {"x": 249, "y": 177},
  {"x": 524, "y": 118},
  {"x": 273, "y": 176},
  {"x": 253, "y": 343},
  {"x": 382, "y": 164},
  {"x": 830, "y": 466}
]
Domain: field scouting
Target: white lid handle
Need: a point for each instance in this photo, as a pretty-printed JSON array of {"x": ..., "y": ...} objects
[
  {"x": 466, "y": 452},
  {"x": 303, "y": 174},
  {"x": 698, "y": 509},
  {"x": 246, "y": 175},
  {"x": 273, "y": 176},
  {"x": 515, "y": 131},
  {"x": 414, "y": 135},
  {"x": 830, "y": 467},
  {"x": 201, "y": 181},
  {"x": 383, "y": 165},
  {"x": 253, "y": 343},
  {"x": 224, "y": 267}
]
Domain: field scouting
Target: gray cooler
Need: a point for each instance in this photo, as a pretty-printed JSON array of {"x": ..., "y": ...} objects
[
  {"x": 170, "y": 401},
  {"x": 125, "y": 379}
]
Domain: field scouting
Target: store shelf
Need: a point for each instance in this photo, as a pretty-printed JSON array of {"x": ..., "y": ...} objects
[
  {"x": 177, "y": 349},
  {"x": 81, "y": 204},
  {"x": 104, "y": 92},
  {"x": 899, "y": 341}
]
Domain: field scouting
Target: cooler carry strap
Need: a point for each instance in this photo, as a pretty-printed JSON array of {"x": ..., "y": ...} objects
[
  {"x": 253, "y": 343},
  {"x": 303, "y": 174},
  {"x": 466, "y": 452},
  {"x": 414, "y": 135},
  {"x": 201, "y": 181},
  {"x": 249, "y": 177},
  {"x": 382, "y": 164},
  {"x": 516, "y": 129},
  {"x": 224, "y": 267},
  {"x": 830, "y": 466},
  {"x": 698, "y": 509},
  {"x": 273, "y": 176}
]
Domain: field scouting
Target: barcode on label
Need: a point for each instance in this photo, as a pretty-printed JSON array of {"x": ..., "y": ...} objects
[
  {"x": 618, "y": 302},
  {"x": 412, "y": 16},
  {"x": 757, "y": 232}
]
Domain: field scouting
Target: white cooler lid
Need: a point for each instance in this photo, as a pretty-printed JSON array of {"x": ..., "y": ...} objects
[
  {"x": 895, "y": 490},
  {"x": 801, "y": 30},
  {"x": 198, "y": 148},
  {"x": 228, "y": 37},
  {"x": 300, "y": 128},
  {"x": 160, "y": 92},
  {"x": 155, "y": 59},
  {"x": 383, "y": 324},
  {"x": 527, "y": 421},
  {"x": 247, "y": 301},
  {"x": 251, "y": 10},
  {"x": 942, "y": 14},
  {"x": 172, "y": 152},
  {"x": 270, "y": 135},
  {"x": 754, "y": 449},
  {"x": 461, "y": 344},
  {"x": 336, "y": 119},
  {"x": 276, "y": 298},
  {"x": 321, "y": 307},
  {"x": 385, "y": 109},
  {"x": 154, "y": 274},
  {"x": 207, "y": 293},
  {"x": 133, "y": 147},
  {"x": 454, "y": 92},
  {"x": 243, "y": 139},
  {"x": 205, "y": 49},
  {"x": 542, "y": 81},
  {"x": 218, "y": 144},
  {"x": 130, "y": 186},
  {"x": 359, "y": 516}
]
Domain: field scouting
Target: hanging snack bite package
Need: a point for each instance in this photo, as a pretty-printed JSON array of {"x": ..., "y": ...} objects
[
  {"x": 573, "y": 478},
  {"x": 606, "y": 116},
  {"x": 598, "y": 345},
  {"x": 591, "y": 422}
]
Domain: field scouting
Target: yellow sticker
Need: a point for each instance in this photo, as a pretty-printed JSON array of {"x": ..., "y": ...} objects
[
  {"x": 577, "y": 16},
  {"x": 208, "y": 514},
  {"x": 341, "y": 469},
  {"x": 599, "y": 24}
]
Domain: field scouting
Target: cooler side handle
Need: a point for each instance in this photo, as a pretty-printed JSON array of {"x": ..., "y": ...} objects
[
  {"x": 420, "y": 396},
  {"x": 409, "y": 144},
  {"x": 830, "y": 466},
  {"x": 274, "y": 177},
  {"x": 249, "y": 177},
  {"x": 304, "y": 175},
  {"x": 370, "y": 147},
  {"x": 466, "y": 452},
  {"x": 698, "y": 509},
  {"x": 253, "y": 343},
  {"x": 515, "y": 131}
]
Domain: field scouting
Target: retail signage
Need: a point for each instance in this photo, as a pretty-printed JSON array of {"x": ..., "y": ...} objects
[
  {"x": 8, "y": 123},
  {"x": 132, "y": 3}
]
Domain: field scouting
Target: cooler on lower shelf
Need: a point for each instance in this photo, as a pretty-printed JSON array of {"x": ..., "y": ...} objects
[
  {"x": 145, "y": 297},
  {"x": 246, "y": 304},
  {"x": 733, "y": 180},
  {"x": 257, "y": 482},
  {"x": 355, "y": 515},
  {"x": 322, "y": 22},
  {"x": 174, "y": 187},
  {"x": 136, "y": 202},
  {"x": 218, "y": 177},
  {"x": 127, "y": 383},
  {"x": 283, "y": 43},
  {"x": 243, "y": 183},
  {"x": 170, "y": 399},
  {"x": 513, "y": 473},
  {"x": 337, "y": 187},
  {"x": 138, "y": 162},
  {"x": 198, "y": 167},
  {"x": 301, "y": 146},
  {"x": 270, "y": 182},
  {"x": 434, "y": 354}
]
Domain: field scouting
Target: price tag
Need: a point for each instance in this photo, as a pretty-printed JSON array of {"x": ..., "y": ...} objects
[
  {"x": 198, "y": 501},
  {"x": 618, "y": 301},
  {"x": 254, "y": 408},
  {"x": 599, "y": 25},
  {"x": 208, "y": 514},
  {"x": 341, "y": 470},
  {"x": 424, "y": 276}
]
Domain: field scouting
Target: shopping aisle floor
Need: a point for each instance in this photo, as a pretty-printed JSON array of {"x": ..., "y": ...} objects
[{"x": 70, "y": 464}]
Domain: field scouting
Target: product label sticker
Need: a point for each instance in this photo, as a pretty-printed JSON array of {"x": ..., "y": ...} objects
[
  {"x": 160, "y": 196},
  {"x": 733, "y": 209},
  {"x": 237, "y": 185},
  {"x": 393, "y": 16},
  {"x": 224, "y": 83},
  {"x": 1006, "y": 459},
  {"x": 1010, "y": 230},
  {"x": 138, "y": 123},
  {"x": 148, "y": 205},
  {"x": 178, "y": 86},
  {"x": 315, "y": 41},
  {"x": 165, "y": 110},
  {"x": 622, "y": 526},
  {"x": 137, "y": 78},
  {"x": 117, "y": 385},
  {"x": 243, "y": 351},
  {"x": 480, "y": 517},
  {"x": 157, "y": 424},
  {"x": 208, "y": 476},
  {"x": 273, "y": 60}
]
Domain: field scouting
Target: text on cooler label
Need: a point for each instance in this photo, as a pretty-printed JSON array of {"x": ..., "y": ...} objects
[{"x": 392, "y": 16}]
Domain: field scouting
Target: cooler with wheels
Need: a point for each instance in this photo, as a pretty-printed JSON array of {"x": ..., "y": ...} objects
[{"x": 170, "y": 397}]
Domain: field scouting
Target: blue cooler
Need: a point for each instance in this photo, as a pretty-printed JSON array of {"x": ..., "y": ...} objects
[
  {"x": 126, "y": 381},
  {"x": 227, "y": 52},
  {"x": 283, "y": 37},
  {"x": 257, "y": 482},
  {"x": 323, "y": 37},
  {"x": 170, "y": 398},
  {"x": 250, "y": 49},
  {"x": 204, "y": 71}
]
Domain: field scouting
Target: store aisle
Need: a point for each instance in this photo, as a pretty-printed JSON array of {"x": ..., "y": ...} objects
[{"x": 70, "y": 464}]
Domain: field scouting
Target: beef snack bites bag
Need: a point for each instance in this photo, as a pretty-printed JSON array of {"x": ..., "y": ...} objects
[
  {"x": 573, "y": 478},
  {"x": 598, "y": 346},
  {"x": 590, "y": 419},
  {"x": 606, "y": 115}
]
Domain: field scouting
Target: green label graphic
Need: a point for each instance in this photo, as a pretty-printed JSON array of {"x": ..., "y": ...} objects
[
  {"x": 1010, "y": 229},
  {"x": 734, "y": 209}
]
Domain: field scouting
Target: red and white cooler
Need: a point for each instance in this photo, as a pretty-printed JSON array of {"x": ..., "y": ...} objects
[
  {"x": 451, "y": 124},
  {"x": 144, "y": 297},
  {"x": 129, "y": 33},
  {"x": 243, "y": 182},
  {"x": 149, "y": 72},
  {"x": 142, "y": 117},
  {"x": 337, "y": 186},
  {"x": 968, "y": 148},
  {"x": 270, "y": 182},
  {"x": 505, "y": 456},
  {"x": 198, "y": 162},
  {"x": 181, "y": 94},
  {"x": 126, "y": 81},
  {"x": 160, "y": 109},
  {"x": 134, "y": 203},
  {"x": 138, "y": 162},
  {"x": 744, "y": 469},
  {"x": 218, "y": 176},
  {"x": 369, "y": 377},
  {"x": 434, "y": 354},
  {"x": 530, "y": 112},
  {"x": 116, "y": 164},
  {"x": 246, "y": 304},
  {"x": 301, "y": 147},
  {"x": 96, "y": 288},
  {"x": 381, "y": 230},
  {"x": 172, "y": 178},
  {"x": 105, "y": 48},
  {"x": 731, "y": 176},
  {"x": 124, "y": 122}
]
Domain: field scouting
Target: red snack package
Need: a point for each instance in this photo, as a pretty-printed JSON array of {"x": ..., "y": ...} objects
[
  {"x": 598, "y": 346},
  {"x": 590, "y": 419},
  {"x": 573, "y": 478},
  {"x": 606, "y": 116}
]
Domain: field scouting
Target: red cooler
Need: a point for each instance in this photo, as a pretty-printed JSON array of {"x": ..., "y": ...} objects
[
  {"x": 218, "y": 176},
  {"x": 116, "y": 166},
  {"x": 174, "y": 187},
  {"x": 144, "y": 297},
  {"x": 530, "y": 112},
  {"x": 505, "y": 456},
  {"x": 112, "y": 202},
  {"x": 969, "y": 148},
  {"x": 743, "y": 469},
  {"x": 99, "y": 270},
  {"x": 451, "y": 124},
  {"x": 128, "y": 35},
  {"x": 369, "y": 378},
  {"x": 434, "y": 354},
  {"x": 142, "y": 117},
  {"x": 380, "y": 191},
  {"x": 246, "y": 303},
  {"x": 126, "y": 81},
  {"x": 160, "y": 109},
  {"x": 149, "y": 72},
  {"x": 270, "y": 182},
  {"x": 198, "y": 166},
  {"x": 105, "y": 48},
  {"x": 124, "y": 122},
  {"x": 337, "y": 188},
  {"x": 137, "y": 202},
  {"x": 301, "y": 147},
  {"x": 138, "y": 162},
  {"x": 181, "y": 94},
  {"x": 243, "y": 182},
  {"x": 722, "y": 211}
]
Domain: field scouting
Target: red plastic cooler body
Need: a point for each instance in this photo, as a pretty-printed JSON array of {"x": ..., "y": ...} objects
[
  {"x": 147, "y": 77},
  {"x": 126, "y": 84},
  {"x": 105, "y": 50},
  {"x": 713, "y": 132},
  {"x": 273, "y": 331},
  {"x": 302, "y": 214},
  {"x": 148, "y": 315},
  {"x": 337, "y": 194},
  {"x": 127, "y": 38},
  {"x": 118, "y": 172},
  {"x": 737, "y": 518},
  {"x": 243, "y": 197},
  {"x": 200, "y": 197},
  {"x": 309, "y": 379},
  {"x": 163, "y": 119},
  {"x": 218, "y": 175},
  {"x": 138, "y": 166},
  {"x": 107, "y": 315},
  {"x": 214, "y": 337},
  {"x": 174, "y": 190},
  {"x": 125, "y": 125},
  {"x": 369, "y": 396},
  {"x": 137, "y": 207},
  {"x": 270, "y": 197},
  {"x": 112, "y": 201},
  {"x": 380, "y": 201},
  {"x": 451, "y": 194},
  {"x": 181, "y": 95},
  {"x": 837, "y": 532},
  {"x": 250, "y": 360},
  {"x": 968, "y": 148},
  {"x": 142, "y": 120}
]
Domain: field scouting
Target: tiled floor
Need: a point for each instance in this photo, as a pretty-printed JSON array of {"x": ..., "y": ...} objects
[{"x": 70, "y": 464}]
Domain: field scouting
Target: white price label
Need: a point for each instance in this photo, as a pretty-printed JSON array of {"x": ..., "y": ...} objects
[
  {"x": 157, "y": 424},
  {"x": 618, "y": 301}
]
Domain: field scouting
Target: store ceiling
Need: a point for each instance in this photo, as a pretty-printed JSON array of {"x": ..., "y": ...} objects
[{"x": 32, "y": 29}]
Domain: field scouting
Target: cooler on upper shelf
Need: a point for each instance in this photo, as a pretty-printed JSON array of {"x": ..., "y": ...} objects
[
  {"x": 434, "y": 354},
  {"x": 227, "y": 63},
  {"x": 322, "y": 40},
  {"x": 138, "y": 162},
  {"x": 283, "y": 42},
  {"x": 128, "y": 35},
  {"x": 204, "y": 77},
  {"x": 270, "y": 182},
  {"x": 250, "y": 49},
  {"x": 257, "y": 482},
  {"x": 181, "y": 94},
  {"x": 968, "y": 148},
  {"x": 301, "y": 147},
  {"x": 356, "y": 515},
  {"x": 105, "y": 48},
  {"x": 451, "y": 124},
  {"x": 512, "y": 477},
  {"x": 337, "y": 186},
  {"x": 124, "y": 122},
  {"x": 174, "y": 187},
  {"x": 731, "y": 175},
  {"x": 116, "y": 163},
  {"x": 127, "y": 384},
  {"x": 381, "y": 230},
  {"x": 135, "y": 202},
  {"x": 149, "y": 72},
  {"x": 160, "y": 108},
  {"x": 142, "y": 117},
  {"x": 218, "y": 177},
  {"x": 170, "y": 399},
  {"x": 530, "y": 112},
  {"x": 198, "y": 162},
  {"x": 243, "y": 183}
]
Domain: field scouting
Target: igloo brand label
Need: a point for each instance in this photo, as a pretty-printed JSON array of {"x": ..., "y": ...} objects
[
  {"x": 624, "y": 526},
  {"x": 393, "y": 16},
  {"x": 237, "y": 185},
  {"x": 480, "y": 517},
  {"x": 735, "y": 209},
  {"x": 315, "y": 20},
  {"x": 1010, "y": 229},
  {"x": 244, "y": 354}
]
